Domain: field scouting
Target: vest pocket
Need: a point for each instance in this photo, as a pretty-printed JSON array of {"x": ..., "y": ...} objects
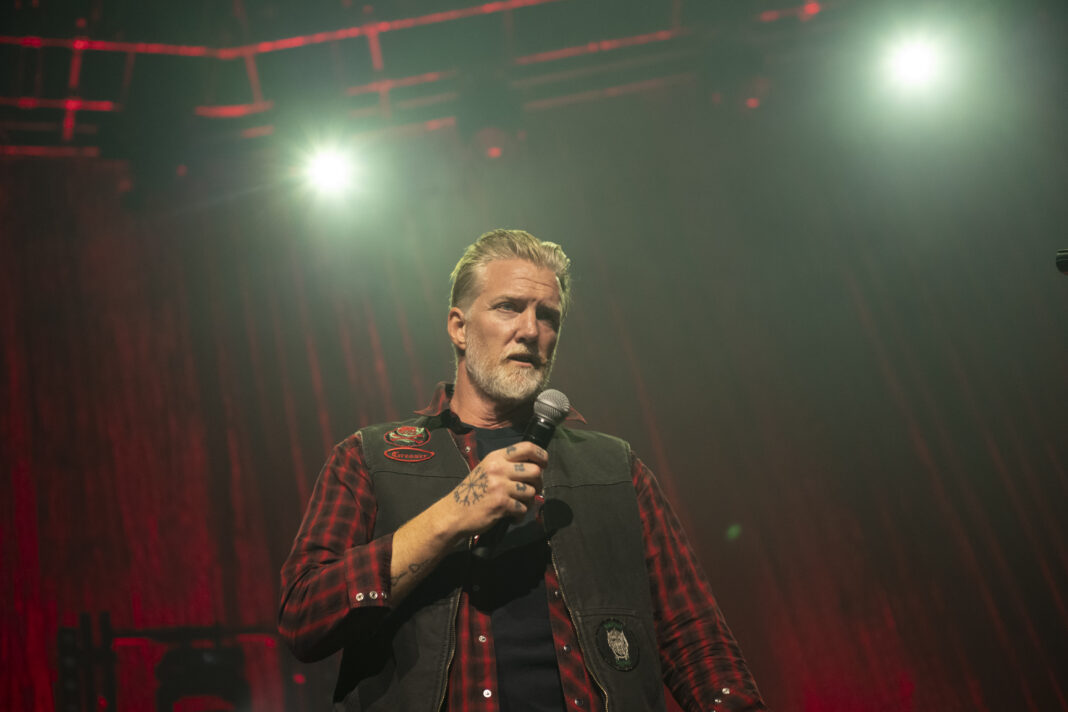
[{"x": 619, "y": 648}]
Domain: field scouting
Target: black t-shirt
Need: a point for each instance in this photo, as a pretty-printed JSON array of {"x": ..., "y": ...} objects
[{"x": 511, "y": 588}]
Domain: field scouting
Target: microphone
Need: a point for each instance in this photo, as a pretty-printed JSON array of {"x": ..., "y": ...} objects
[{"x": 550, "y": 409}]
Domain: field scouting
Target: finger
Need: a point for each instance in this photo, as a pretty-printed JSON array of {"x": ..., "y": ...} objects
[
  {"x": 526, "y": 452},
  {"x": 525, "y": 492},
  {"x": 526, "y": 473}
]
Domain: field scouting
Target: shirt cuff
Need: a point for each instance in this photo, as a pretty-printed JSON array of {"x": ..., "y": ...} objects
[{"x": 367, "y": 571}]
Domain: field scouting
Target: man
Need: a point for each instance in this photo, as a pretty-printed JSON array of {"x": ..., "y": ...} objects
[{"x": 591, "y": 599}]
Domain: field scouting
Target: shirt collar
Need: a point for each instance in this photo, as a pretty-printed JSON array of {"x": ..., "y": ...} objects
[{"x": 439, "y": 403}]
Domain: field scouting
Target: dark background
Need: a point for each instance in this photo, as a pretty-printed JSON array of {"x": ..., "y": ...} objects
[{"x": 831, "y": 324}]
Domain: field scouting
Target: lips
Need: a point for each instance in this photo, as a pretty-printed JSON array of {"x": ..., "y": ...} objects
[{"x": 526, "y": 358}]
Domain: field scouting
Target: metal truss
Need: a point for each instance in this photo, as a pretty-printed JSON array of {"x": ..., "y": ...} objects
[{"x": 667, "y": 48}]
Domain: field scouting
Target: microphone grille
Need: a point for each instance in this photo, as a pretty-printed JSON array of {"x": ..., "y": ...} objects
[{"x": 552, "y": 405}]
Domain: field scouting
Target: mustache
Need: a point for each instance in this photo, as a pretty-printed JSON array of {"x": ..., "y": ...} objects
[{"x": 531, "y": 356}]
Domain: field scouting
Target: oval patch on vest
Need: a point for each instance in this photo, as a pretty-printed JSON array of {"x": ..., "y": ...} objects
[
  {"x": 408, "y": 454},
  {"x": 617, "y": 645},
  {"x": 408, "y": 435}
]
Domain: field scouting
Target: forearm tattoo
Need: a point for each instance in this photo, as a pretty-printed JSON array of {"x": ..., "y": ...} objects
[
  {"x": 472, "y": 489},
  {"x": 412, "y": 568}
]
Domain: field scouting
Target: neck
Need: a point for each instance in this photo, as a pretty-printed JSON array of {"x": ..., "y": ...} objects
[{"x": 475, "y": 408}]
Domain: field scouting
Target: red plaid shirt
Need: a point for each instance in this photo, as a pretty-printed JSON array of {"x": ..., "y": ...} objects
[{"x": 335, "y": 569}]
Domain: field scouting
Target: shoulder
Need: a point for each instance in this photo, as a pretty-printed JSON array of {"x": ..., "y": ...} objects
[
  {"x": 393, "y": 432},
  {"x": 590, "y": 439},
  {"x": 357, "y": 454},
  {"x": 603, "y": 457}
]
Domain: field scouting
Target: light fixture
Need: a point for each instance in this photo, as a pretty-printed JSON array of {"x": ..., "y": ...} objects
[
  {"x": 916, "y": 64},
  {"x": 330, "y": 171}
]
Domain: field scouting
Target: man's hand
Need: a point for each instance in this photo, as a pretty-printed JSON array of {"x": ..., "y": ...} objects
[{"x": 502, "y": 485}]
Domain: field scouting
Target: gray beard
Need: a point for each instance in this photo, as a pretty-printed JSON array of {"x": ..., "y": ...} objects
[{"x": 502, "y": 381}]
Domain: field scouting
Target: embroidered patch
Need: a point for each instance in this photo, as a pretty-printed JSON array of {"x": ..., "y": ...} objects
[
  {"x": 619, "y": 649},
  {"x": 409, "y": 435},
  {"x": 408, "y": 454}
]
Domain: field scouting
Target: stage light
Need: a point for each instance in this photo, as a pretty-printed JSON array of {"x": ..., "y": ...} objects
[
  {"x": 330, "y": 171},
  {"x": 916, "y": 64}
]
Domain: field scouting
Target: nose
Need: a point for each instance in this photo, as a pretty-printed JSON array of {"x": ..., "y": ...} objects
[{"x": 527, "y": 328}]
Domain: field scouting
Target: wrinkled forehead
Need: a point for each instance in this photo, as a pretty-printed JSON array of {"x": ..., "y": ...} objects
[{"x": 515, "y": 277}]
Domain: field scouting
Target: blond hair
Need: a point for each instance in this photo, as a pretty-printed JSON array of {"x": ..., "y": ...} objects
[{"x": 503, "y": 244}]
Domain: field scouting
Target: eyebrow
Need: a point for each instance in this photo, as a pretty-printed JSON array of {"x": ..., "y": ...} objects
[{"x": 555, "y": 310}]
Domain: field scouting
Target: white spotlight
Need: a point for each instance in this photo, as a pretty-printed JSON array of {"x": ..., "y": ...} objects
[
  {"x": 330, "y": 171},
  {"x": 916, "y": 64}
]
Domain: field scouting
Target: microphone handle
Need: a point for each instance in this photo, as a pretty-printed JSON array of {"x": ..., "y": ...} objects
[{"x": 539, "y": 431}]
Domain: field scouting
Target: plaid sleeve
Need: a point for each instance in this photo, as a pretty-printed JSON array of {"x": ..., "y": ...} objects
[
  {"x": 334, "y": 569},
  {"x": 701, "y": 662}
]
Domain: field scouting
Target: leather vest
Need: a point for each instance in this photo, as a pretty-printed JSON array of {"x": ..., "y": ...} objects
[{"x": 595, "y": 535}]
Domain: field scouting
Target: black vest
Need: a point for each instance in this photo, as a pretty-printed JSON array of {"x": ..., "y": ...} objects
[{"x": 591, "y": 516}]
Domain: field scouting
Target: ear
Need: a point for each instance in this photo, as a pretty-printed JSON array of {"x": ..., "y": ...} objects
[{"x": 457, "y": 328}]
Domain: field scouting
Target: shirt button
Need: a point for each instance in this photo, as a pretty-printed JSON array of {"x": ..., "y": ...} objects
[
  {"x": 726, "y": 690},
  {"x": 556, "y": 593},
  {"x": 467, "y": 448},
  {"x": 482, "y": 639},
  {"x": 487, "y": 693},
  {"x": 359, "y": 596},
  {"x": 718, "y": 701},
  {"x": 374, "y": 595},
  {"x": 566, "y": 648},
  {"x": 578, "y": 703}
]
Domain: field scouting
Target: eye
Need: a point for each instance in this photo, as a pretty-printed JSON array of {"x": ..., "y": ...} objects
[
  {"x": 506, "y": 306},
  {"x": 551, "y": 318}
]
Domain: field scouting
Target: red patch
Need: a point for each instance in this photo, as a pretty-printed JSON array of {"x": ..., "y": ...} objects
[
  {"x": 408, "y": 454},
  {"x": 410, "y": 435}
]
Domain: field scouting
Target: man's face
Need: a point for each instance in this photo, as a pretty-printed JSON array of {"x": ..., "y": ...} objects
[{"x": 511, "y": 329}]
